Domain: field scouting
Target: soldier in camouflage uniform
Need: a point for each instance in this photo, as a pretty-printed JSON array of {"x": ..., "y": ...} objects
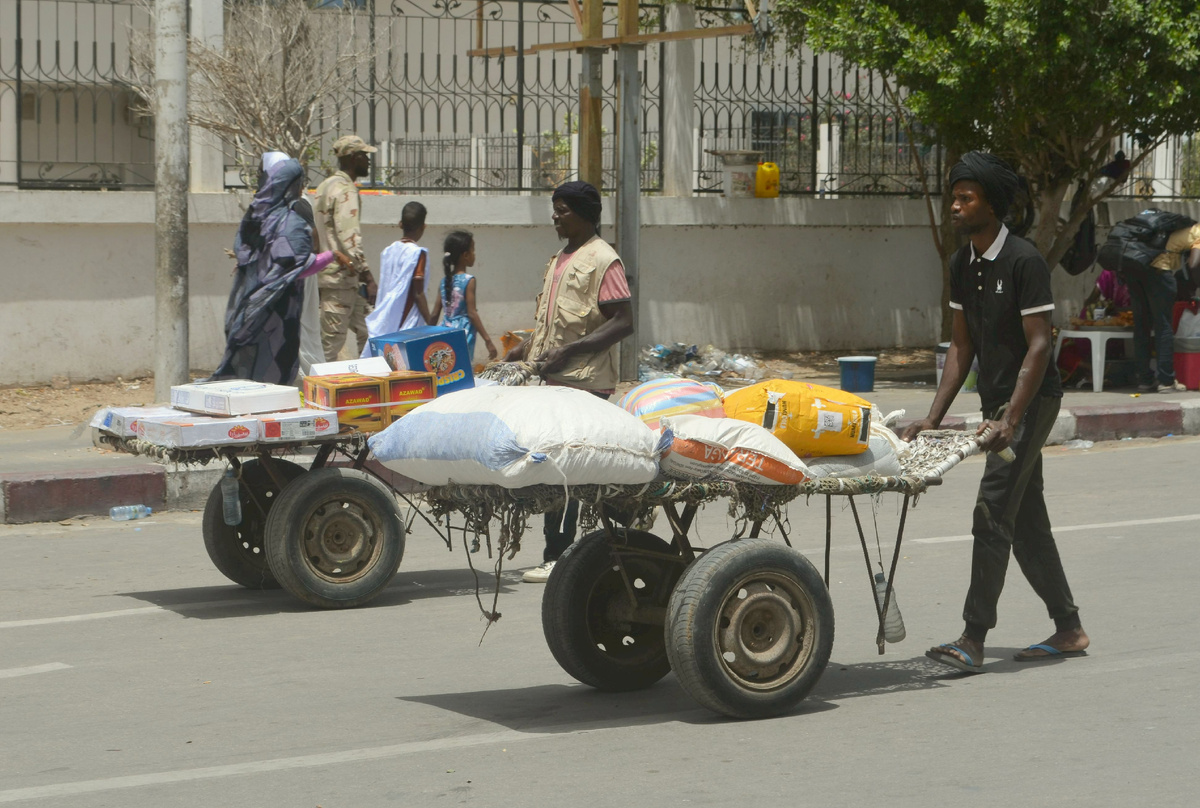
[{"x": 343, "y": 308}]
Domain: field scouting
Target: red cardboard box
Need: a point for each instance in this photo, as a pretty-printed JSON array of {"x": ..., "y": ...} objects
[
  {"x": 360, "y": 401},
  {"x": 406, "y": 390}
]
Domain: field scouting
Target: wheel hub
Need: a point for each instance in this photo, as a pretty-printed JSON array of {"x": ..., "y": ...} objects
[
  {"x": 760, "y": 633},
  {"x": 341, "y": 539}
]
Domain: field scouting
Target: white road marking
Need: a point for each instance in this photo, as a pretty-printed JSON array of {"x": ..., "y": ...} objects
[
  {"x": 278, "y": 764},
  {"x": 77, "y": 618},
  {"x": 1071, "y": 528},
  {"x": 49, "y": 666}
]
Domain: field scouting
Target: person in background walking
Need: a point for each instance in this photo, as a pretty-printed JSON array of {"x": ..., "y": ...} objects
[
  {"x": 345, "y": 291},
  {"x": 401, "y": 302},
  {"x": 1001, "y": 303},
  {"x": 457, "y": 292},
  {"x": 274, "y": 253}
]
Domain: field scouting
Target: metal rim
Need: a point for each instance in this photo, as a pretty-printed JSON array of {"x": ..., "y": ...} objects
[
  {"x": 342, "y": 538},
  {"x": 610, "y": 619},
  {"x": 765, "y": 630}
]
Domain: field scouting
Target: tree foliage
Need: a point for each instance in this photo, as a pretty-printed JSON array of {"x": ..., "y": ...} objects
[
  {"x": 275, "y": 82},
  {"x": 1046, "y": 84}
]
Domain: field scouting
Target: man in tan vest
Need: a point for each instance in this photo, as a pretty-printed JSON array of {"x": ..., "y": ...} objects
[{"x": 584, "y": 310}]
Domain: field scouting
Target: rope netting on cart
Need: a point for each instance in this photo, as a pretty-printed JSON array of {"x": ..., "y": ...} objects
[{"x": 931, "y": 455}]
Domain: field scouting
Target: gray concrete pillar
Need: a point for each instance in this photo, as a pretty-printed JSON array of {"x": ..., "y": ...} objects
[
  {"x": 10, "y": 119},
  {"x": 679, "y": 104},
  {"x": 207, "y": 151}
]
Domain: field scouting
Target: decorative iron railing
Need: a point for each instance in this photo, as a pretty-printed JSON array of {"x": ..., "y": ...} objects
[{"x": 461, "y": 97}]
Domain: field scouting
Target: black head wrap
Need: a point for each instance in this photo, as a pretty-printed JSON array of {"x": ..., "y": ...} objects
[
  {"x": 582, "y": 198},
  {"x": 999, "y": 181}
]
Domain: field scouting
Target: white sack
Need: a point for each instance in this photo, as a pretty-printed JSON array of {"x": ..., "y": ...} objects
[
  {"x": 519, "y": 436},
  {"x": 704, "y": 448}
]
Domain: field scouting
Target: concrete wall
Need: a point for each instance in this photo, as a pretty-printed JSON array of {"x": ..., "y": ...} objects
[{"x": 787, "y": 274}]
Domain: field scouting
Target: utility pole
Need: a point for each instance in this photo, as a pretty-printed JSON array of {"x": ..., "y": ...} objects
[
  {"x": 591, "y": 93},
  {"x": 170, "y": 197},
  {"x": 629, "y": 173}
]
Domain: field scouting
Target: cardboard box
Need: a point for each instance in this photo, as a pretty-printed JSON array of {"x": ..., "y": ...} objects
[
  {"x": 359, "y": 401},
  {"x": 122, "y": 421},
  {"x": 198, "y": 430},
  {"x": 234, "y": 397},
  {"x": 371, "y": 366},
  {"x": 407, "y": 390},
  {"x": 297, "y": 425},
  {"x": 431, "y": 348}
]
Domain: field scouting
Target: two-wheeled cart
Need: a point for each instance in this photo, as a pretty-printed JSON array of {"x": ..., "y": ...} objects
[{"x": 747, "y": 625}]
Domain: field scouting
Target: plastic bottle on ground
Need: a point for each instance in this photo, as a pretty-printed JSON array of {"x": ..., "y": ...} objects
[
  {"x": 893, "y": 623},
  {"x": 231, "y": 503},
  {"x": 123, "y": 513}
]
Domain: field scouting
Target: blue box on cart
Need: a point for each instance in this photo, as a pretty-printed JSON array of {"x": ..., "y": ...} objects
[{"x": 432, "y": 348}]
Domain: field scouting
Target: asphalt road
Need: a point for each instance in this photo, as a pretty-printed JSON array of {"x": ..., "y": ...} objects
[{"x": 133, "y": 674}]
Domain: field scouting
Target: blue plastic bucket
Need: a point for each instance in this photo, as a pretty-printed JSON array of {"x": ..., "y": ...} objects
[{"x": 858, "y": 373}]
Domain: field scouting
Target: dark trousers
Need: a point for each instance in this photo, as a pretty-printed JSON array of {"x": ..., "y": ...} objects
[
  {"x": 1010, "y": 514},
  {"x": 1152, "y": 296},
  {"x": 559, "y": 531}
]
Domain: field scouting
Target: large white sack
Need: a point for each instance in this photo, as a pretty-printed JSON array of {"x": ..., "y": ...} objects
[
  {"x": 880, "y": 458},
  {"x": 519, "y": 436},
  {"x": 704, "y": 448}
]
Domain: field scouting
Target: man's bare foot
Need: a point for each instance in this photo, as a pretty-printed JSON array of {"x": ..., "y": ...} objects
[
  {"x": 1059, "y": 645},
  {"x": 964, "y": 654}
]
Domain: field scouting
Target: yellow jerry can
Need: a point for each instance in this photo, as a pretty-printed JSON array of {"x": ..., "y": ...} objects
[{"x": 766, "y": 181}]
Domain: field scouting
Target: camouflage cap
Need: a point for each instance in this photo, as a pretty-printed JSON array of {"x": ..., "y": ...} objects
[{"x": 351, "y": 144}]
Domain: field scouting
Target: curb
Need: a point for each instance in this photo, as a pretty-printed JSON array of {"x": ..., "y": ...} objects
[{"x": 53, "y": 496}]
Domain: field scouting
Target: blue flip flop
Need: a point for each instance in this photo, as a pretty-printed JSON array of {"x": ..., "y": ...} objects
[
  {"x": 967, "y": 666},
  {"x": 1051, "y": 654}
]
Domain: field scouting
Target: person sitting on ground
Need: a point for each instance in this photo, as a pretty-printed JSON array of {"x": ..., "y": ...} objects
[
  {"x": 457, "y": 292},
  {"x": 400, "y": 303}
]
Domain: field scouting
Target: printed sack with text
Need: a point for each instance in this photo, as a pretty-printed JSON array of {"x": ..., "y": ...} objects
[
  {"x": 668, "y": 397},
  {"x": 728, "y": 449},
  {"x": 519, "y": 436},
  {"x": 813, "y": 421}
]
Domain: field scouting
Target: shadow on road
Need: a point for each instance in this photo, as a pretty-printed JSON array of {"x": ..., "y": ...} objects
[
  {"x": 220, "y": 602},
  {"x": 571, "y": 708},
  {"x": 901, "y": 675}
]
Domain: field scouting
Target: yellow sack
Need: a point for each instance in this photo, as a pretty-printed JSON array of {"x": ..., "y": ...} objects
[{"x": 811, "y": 420}]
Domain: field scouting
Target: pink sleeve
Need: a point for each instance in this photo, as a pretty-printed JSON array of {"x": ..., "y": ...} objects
[
  {"x": 320, "y": 261},
  {"x": 614, "y": 288}
]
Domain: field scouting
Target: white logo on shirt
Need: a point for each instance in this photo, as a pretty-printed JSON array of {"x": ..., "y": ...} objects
[{"x": 999, "y": 287}]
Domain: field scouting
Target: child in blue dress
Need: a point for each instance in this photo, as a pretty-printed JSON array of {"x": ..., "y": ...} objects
[{"x": 456, "y": 298}]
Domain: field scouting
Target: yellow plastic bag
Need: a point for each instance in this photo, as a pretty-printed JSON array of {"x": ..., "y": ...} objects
[{"x": 811, "y": 420}]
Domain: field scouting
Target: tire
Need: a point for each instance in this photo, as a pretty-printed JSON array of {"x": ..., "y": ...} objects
[
  {"x": 586, "y": 611},
  {"x": 238, "y": 550},
  {"x": 750, "y": 628},
  {"x": 335, "y": 538}
]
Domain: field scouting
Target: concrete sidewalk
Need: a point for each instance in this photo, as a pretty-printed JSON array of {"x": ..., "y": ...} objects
[{"x": 55, "y": 473}]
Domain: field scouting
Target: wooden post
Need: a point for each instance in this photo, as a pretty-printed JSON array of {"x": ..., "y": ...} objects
[
  {"x": 591, "y": 93},
  {"x": 629, "y": 173}
]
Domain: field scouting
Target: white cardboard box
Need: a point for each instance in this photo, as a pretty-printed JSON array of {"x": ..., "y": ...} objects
[
  {"x": 234, "y": 397},
  {"x": 297, "y": 425},
  {"x": 122, "y": 421},
  {"x": 198, "y": 430},
  {"x": 371, "y": 366}
]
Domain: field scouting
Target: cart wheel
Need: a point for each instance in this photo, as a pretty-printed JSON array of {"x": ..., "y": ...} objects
[
  {"x": 335, "y": 538},
  {"x": 750, "y": 628},
  {"x": 587, "y": 616},
  {"x": 237, "y": 550}
]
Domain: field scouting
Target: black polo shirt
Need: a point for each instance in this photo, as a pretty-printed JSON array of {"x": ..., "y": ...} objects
[{"x": 994, "y": 291}]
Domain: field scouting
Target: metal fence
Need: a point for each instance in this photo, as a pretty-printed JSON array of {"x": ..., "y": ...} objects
[
  {"x": 459, "y": 101},
  {"x": 67, "y": 120}
]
